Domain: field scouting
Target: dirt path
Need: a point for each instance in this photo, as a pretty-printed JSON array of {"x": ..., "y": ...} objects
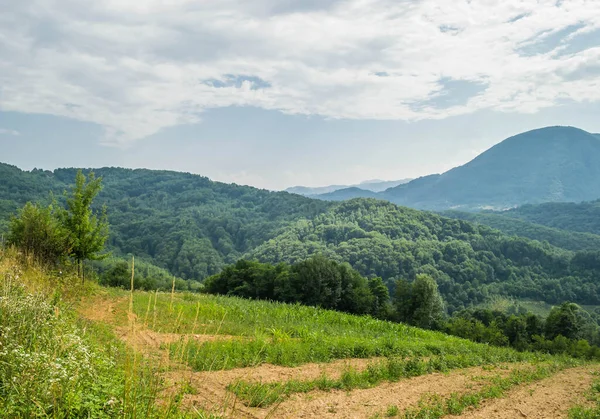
[
  {"x": 102, "y": 308},
  {"x": 550, "y": 398},
  {"x": 365, "y": 403}
]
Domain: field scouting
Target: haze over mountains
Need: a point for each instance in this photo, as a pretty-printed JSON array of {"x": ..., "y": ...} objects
[
  {"x": 553, "y": 164},
  {"x": 375, "y": 185}
]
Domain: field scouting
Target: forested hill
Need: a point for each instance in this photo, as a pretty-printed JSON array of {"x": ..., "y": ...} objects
[
  {"x": 553, "y": 164},
  {"x": 185, "y": 223},
  {"x": 469, "y": 262}
]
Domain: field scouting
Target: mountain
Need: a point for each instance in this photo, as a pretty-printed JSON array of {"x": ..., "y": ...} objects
[
  {"x": 375, "y": 185},
  {"x": 546, "y": 165}
]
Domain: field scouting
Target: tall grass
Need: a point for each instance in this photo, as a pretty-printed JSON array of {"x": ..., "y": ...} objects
[{"x": 52, "y": 364}]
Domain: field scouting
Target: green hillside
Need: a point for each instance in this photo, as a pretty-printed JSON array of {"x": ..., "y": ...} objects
[
  {"x": 193, "y": 227},
  {"x": 469, "y": 262}
]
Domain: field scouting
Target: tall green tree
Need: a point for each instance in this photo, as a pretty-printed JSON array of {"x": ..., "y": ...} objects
[{"x": 87, "y": 230}]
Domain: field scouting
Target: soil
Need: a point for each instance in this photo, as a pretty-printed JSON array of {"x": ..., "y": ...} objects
[
  {"x": 365, "y": 403},
  {"x": 547, "y": 399}
]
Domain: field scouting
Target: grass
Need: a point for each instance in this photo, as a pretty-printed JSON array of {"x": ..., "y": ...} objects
[
  {"x": 53, "y": 363},
  {"x": 291, "y": 334}
]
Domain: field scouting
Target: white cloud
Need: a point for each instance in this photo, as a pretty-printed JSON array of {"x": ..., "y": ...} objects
[
  {"x": 5, "y": 131},
  {"x": 135, "y": 67}
]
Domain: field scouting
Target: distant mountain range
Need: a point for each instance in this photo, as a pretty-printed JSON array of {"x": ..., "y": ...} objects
[
  {"x": 554, "y": 164},
  {"x": 375, "y": 185}
]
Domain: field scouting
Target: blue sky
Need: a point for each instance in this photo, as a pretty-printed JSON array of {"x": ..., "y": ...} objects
[{"x": 281, "y": 93}]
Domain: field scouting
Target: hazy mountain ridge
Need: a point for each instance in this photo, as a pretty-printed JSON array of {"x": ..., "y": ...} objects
[{"x": 375, "y": 185}]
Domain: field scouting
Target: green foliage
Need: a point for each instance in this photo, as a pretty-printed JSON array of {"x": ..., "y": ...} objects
[
  {"x": 566, "y": 320},
  {"x": 581, "y": 217},
  {"x": 184, "y": 223},
  {"x": 193, "y": 228},
  {"x": 38, "y": 233},
  {"x": 568, "y": 330},
  {"x": 470, "y": 263}
]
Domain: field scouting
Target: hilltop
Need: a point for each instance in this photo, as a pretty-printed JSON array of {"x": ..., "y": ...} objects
[{"x": 182, "y": 222}]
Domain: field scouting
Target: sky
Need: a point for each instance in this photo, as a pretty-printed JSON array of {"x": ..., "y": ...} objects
[{"x": 277, "y": 93}]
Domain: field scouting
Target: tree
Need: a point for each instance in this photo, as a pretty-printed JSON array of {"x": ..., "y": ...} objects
[
  {"x": 565, "y": 320},
  {"x": 87, "y": 230},
  {"x": 419, "y": 303},
  {"x": 38, "y": 233},
  {"x": 381, "y": 298},
  {"x": 428, "y": 303}
]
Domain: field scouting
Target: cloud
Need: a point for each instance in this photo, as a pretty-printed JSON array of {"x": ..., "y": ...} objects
[
  {"x": 4, "y": 131},
  {"x": 135, "y": 67}
]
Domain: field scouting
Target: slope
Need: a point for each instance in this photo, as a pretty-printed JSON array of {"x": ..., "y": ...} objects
[
  {"x": 551, "y": 164},
  {"x": 470, "y": 262}
]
